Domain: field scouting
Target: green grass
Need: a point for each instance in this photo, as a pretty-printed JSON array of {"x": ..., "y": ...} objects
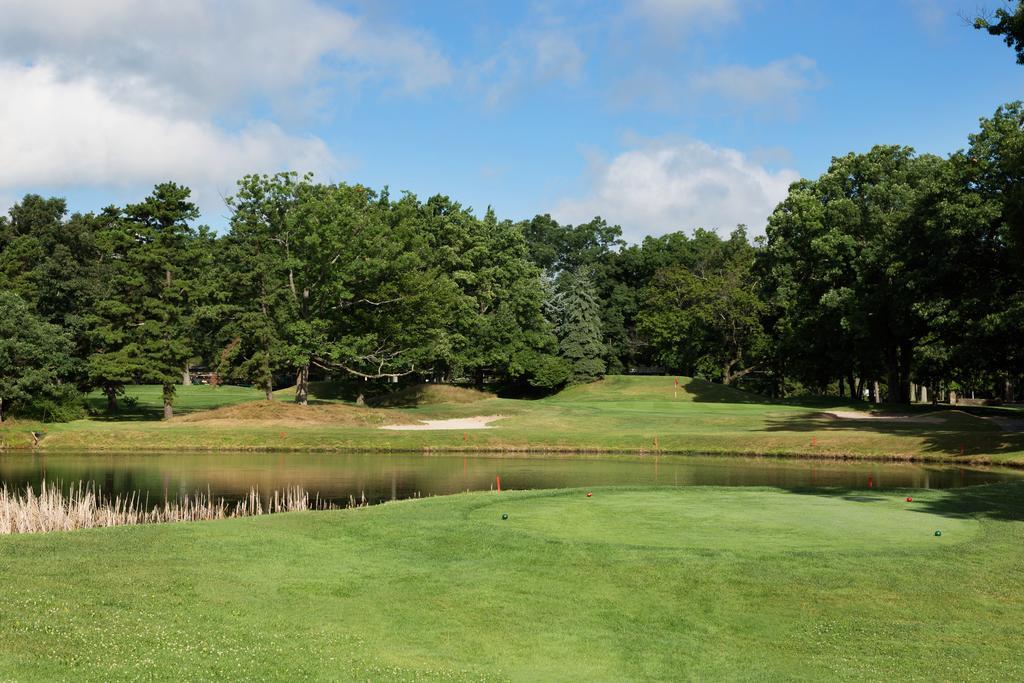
[
  {"x": 619, "y": 414},
  {"x": 690, "y": 583},
  {"x": 150, "y": 400}
]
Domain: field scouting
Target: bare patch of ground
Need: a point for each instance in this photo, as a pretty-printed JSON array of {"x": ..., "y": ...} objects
[
  {"x": 282, "y": 412},
  {"x": 479, "y": 422},
  {"x": 1009, "y": 424},
  {"x": 858, "y": 415},
  {"x": 428, "y": 394}
]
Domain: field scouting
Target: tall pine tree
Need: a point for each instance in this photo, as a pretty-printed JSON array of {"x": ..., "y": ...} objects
[
  {"x": 163, "y": 267},
  {"x": 579, "y": 327}
]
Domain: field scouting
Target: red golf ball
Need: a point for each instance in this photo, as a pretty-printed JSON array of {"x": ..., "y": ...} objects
[
  {"x": 909, "y": 499},
  {"x": 589, "y": 494}
]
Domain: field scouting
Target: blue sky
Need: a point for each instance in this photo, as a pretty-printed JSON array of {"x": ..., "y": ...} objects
[{"x": 659, "y": 115}]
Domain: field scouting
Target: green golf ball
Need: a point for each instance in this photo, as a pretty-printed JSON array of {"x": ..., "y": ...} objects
[
  {"x": 938, "y": 533},
  {"x": 504, "y": 515}
]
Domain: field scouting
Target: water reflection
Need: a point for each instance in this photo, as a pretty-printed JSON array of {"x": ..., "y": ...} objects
[{"x": 381, "y": 477}]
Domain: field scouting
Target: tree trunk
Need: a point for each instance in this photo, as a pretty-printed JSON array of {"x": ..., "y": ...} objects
[
  {"x": 1007, "y": 390},
  {"x": 268, "y": 377},
  {"x": 842, "y": 387},
  {"x": 924, "y": 393},
  {"x": 168, "y": 401},
  {"x": 906, "y": 362},
  {"x": 877, "y": 395},
  {"x": 892, "y": 373},
  {"x": 860, "y": 388},
  {"x": 186, "y": 376},
  {"x": 302, "y": 386},
  {"x": 1, "y": 410},
  {"x": 851, "y": 382},
  {"x": 479, "y": 379},
  {"x": 111, "y": 399}
]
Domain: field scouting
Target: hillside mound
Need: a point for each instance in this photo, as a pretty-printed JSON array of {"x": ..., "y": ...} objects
[
  {"x": 281, "y": 412},
  {"x": 656, "y": 388},
  {"x": 321, "y": 391},
  {"x": 428, "y": 394}
]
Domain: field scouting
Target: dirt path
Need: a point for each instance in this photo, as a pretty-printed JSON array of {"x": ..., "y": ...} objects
[
  {"x": 1008, "y": 424},
  {"x": 479, "y": 422},
  {"x": 856, "y": 415}
]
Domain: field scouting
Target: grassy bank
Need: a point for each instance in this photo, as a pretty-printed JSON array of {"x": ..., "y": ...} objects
[
  {"x": 692, "y": 583},
  {"x": 624, "y": 414}
]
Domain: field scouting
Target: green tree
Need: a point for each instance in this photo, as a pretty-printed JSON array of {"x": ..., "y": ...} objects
[
  {"x": 115, "y": 358},
  {"x": 708, "y": 317},
  {"x": 1007, "y": 23},
  {"x": 51, "y": 260},
  {"x": 851, "y": 258},
  {"x": 336, "y": 280},
  {"x": 597, "y": 247},
  {"x": 160, "y": 263},
  {"x": 579, "y": 332},
  {"x": 35, "y": 361},
  {"x": 371, "y": 304},
  {"x": 989, "y": 181},
  {"x": 258, "y": 281}
]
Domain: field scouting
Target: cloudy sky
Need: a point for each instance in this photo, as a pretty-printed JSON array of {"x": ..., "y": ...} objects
[{"x": 659, "y": 115}]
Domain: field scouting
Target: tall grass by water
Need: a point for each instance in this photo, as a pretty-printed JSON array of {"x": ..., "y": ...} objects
[{"x": 84, "y": 507}]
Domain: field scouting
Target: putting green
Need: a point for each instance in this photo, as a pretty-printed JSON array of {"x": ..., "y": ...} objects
[{"x": 743, "y": 520}]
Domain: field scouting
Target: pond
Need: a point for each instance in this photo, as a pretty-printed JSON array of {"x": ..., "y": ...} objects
[{"x": 379, "y": 477}]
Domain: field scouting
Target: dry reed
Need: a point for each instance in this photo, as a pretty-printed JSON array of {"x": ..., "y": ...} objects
[{"x": 82, "y": 507}]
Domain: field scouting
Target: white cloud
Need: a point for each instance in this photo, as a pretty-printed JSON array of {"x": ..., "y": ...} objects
[
  {"x": 675, "y": 15},
  {"x": 558, "y": 57},
  {"x": 211, "y": 54},
  {"x": 125, "y": 93},
  {"x": 77, "y": 133},
  {"x": 776, "y": 81},
  {"x": 527, "y": 57},
  {"x": 667, "y": 186},
  {"x": 933, "y": 15}
]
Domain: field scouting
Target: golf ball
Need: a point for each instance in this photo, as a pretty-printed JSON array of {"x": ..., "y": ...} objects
[{"x": 504, "y": 515}]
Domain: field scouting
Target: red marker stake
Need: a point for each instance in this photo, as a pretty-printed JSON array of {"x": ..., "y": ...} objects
[{"x": 499, "y": 483}]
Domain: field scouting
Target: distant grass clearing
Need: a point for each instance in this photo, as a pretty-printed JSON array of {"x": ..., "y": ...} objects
[{"x": 618, "y": 414}]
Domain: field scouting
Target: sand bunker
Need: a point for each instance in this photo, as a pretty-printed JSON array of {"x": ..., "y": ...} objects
[
  {"x": 479, "y": 422},
  {"x": 855, "y": 415}
]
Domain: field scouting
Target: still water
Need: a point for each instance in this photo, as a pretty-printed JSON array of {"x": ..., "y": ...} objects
[{"x": 380, "y": 477}]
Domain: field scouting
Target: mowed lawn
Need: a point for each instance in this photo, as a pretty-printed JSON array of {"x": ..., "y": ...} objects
[
  {"x": 627, "y": 414},
  {"x": 682, "y": 584}
]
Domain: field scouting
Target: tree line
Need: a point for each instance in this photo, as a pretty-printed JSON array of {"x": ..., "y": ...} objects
[{"x": 893, "y": 276}]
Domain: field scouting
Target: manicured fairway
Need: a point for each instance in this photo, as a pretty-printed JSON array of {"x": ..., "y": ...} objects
[
  {"x": 622, "y": 414},
  {"x": 688, "y": 583}
]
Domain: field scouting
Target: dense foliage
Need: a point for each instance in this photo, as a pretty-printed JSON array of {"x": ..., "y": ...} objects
[{"x": 893, "y": 276}]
